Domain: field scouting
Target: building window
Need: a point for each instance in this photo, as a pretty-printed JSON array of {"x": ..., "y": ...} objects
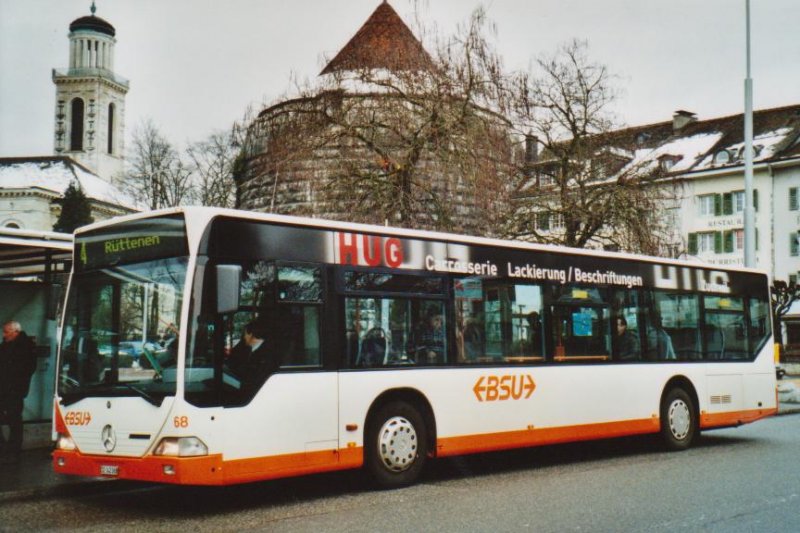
[
  {"x": 738, "y": 201},
  {"x": 705, "y": 242},
  {"x": 76, "y": 126},
  {"x": 111, "y": 110},
  {"x": 738, "y": 239},
  {"x": 543, "y": 221},
  {"x": 546, "y": 180},
  {"x": 793, "y": 203},
  {"x": 707, "y": 205},
  {"x": 794, "y": 246}
]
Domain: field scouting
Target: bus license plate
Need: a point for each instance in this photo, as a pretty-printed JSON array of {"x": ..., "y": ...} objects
[{"x": 109, "y": 470}]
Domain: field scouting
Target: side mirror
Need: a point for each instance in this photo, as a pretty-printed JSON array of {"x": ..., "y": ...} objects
[{"x": 229, "y": 278}]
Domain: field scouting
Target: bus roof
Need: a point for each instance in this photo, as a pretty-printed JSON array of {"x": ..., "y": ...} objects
[{"x": 206, "y": 214}]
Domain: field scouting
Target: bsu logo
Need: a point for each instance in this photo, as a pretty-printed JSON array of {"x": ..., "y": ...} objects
[{"x": 500, "y": 388}]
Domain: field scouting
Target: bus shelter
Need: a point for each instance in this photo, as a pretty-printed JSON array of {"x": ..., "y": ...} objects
[{"x": 33, "y": 273}]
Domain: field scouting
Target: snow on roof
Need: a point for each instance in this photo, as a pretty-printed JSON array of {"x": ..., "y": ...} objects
[
  {"x": 54, "y": 174},
  {"x": 688, "y": 149},
  {"x": 765, "y": 146}
]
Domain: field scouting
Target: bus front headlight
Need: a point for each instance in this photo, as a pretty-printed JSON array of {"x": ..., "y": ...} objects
[
  {"x": 65, "y": 443},
  {"x": 181, "y": 447}
]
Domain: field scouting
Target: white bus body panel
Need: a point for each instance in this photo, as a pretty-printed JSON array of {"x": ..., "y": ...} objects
[
  {"x": 294, "y": 412},
  {"x": 127, "y": 416}
]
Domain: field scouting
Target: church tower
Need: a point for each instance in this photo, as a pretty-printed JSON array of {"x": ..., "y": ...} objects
[{"x": 90, "y": 99}]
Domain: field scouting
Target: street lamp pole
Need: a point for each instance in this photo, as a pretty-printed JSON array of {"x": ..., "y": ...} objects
[{"x": 749, "y": 215}]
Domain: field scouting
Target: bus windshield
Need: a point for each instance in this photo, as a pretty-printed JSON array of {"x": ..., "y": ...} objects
[{"x": 120, "y": 336}]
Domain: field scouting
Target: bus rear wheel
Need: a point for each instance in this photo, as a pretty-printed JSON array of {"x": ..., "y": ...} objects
[
  {"x": 396, "y": 445},
  {"x": 678, "y": 420}
]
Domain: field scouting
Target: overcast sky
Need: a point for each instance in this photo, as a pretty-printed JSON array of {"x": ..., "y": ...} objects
[{"x": 195, "y": 65}]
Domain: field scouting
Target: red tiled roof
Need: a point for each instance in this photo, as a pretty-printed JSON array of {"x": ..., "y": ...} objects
[{"x": 383, "y": 42}]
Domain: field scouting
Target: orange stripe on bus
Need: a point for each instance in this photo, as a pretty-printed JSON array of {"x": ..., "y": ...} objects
[
  {"x": 734, "y": 418},
  {"x": 208, "y": 470},
  {"x": 536, "y": 437},
  {"x": 292, "y": 464}
]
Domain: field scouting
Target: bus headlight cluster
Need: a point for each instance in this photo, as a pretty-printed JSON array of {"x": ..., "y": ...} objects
[
  {"x": 65, "y": 443},
  {"x": 181, "y": 447}
]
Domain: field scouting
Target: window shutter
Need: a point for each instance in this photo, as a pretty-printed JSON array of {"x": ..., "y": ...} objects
[
  {"x": 718, "y": 242},
  {"x": 693, "y": 243},
  {"x": 728, "y": 238},
  {"x": 793, "y": 244},
  {"x": 755, "y": 200},
  {"x": 756, "y": 232},
  {"x": 793, "y": 199},
  {"x": 717, "y": 205},
  {"x": 727, "y": 203}
]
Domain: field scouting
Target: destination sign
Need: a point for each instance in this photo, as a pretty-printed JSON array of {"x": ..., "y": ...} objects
[{"x": 132, "y": 242}]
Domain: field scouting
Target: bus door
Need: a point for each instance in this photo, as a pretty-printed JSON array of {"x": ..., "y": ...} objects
[{"x": 278, "y": 399}]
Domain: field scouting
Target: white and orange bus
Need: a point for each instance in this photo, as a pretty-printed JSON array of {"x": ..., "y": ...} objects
[{"x": 383, "y": 348}]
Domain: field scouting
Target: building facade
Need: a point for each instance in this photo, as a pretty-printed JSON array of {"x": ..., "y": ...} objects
[
  {"x": 88, "y": 138},
  {"x": 29, "y": 187},
  {"x": 90, "y": 100}
]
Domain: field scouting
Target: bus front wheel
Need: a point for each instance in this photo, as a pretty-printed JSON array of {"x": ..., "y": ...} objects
[
  {"x": 678, "y": 420},
  {"x": 396, "y": 445}
]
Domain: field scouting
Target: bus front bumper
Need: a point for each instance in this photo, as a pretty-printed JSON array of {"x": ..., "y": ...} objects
[{"x": 206, "y": 470}]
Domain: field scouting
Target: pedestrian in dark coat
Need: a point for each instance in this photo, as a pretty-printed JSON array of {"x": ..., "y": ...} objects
[{"x": 17, "y": 364}]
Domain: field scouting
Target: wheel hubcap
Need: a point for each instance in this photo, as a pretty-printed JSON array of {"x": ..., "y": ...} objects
[
  {"x": 397, "y": 444},
  {"x": 679, "y": 419}
]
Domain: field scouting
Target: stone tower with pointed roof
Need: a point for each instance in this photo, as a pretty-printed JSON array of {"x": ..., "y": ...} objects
[
  {"x": 383, "y": 42},
  {"x": 359, "y": 119},
  {"x": 90, "y": 99}
]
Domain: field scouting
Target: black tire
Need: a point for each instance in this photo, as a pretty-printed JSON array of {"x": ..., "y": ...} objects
[
  {"x": 678, "y": 420},
  {"x": 396, "y": 445}
]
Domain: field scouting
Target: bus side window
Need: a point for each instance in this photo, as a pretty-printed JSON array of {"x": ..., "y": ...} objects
[
  {"x": 394, "y": 331},
  {"x": 759, "y": 313},
  {"x": 725, "y": 332},
  {"x": 581, "y": 324},
  {"x": 498, "y": 322},
  {"x": 672, "y": 327}
]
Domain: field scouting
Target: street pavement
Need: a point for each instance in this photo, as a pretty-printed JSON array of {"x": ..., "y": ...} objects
[{"x": 33, "y": 477}]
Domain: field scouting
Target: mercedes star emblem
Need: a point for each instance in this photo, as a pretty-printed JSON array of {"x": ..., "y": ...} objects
[{"x": 109, "y": 438}]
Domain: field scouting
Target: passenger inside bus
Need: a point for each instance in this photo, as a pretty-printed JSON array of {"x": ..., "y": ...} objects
[
  {"x": 373, "y": 348},
  {"x": 472, "y": 338},
  {"x": 430, "y": 338},
  {"x": 626, "y": 343},
  {"x": 659, "y": 343}
]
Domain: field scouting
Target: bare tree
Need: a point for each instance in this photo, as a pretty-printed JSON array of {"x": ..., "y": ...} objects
[
  {"x": 782, "y": 296},
  {"x": 212, "y": 162},
  {"x": 426, "y": 145},
  {"x": 581, "y": 182},
  {"x": 156, "y": 176}
]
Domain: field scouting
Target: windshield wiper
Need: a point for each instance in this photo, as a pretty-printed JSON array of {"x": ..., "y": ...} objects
[{"x": 144, "y": 394}]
